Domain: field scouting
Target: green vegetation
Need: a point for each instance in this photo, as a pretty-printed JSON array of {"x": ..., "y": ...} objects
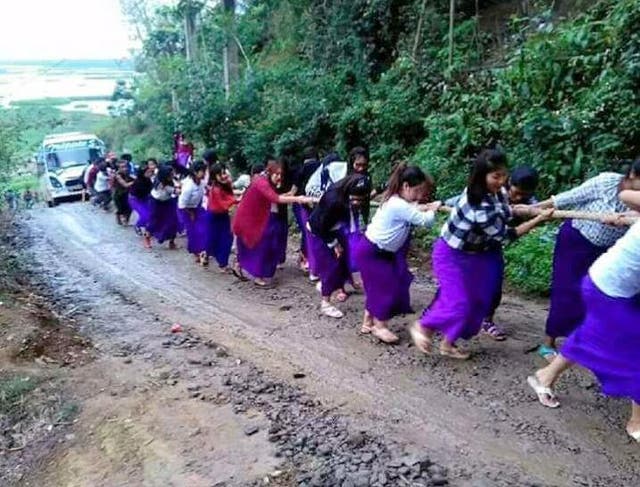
[{"x": 13, "y": 390}]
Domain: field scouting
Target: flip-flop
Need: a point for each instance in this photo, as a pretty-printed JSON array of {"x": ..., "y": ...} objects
[
  {"x": 455, "y": 353},
  {"x": 548, "y": 353},
  {"x": 264, "y": 285},
  {"x": 385, "y": 335},
  {"x": 546, "y": 397},
  {"x": 239, "y": 275},
  {"x": 365, "y": 330},
  {"x": 420, "y": 340}
]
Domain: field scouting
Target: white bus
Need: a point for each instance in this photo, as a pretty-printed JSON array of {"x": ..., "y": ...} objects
[{"x": 61, "y": 162}]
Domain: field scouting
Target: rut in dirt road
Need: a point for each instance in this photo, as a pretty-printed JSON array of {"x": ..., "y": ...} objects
[{"x": 477, "y": 419}]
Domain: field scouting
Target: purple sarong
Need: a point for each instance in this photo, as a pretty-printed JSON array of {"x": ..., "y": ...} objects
[
  {"x": 333, "y": 271},
  {"x": 283, "y": 237},
  {"x": 163, "y": 219},
  {"x": 386, "y": 279},
  {"x": 467, "y": 284},
  {"x": 302, "y": 217},
  {"x": 262, "y": 260},
  {"x": 196, "y": 225},
  {"x": 607, "y": 342},
  {"x": 572, "y": 257},
  {"x": 142, "y": 209},
  {"x": 219, "y": 237}
]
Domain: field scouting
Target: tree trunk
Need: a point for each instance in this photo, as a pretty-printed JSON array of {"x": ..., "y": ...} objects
[
  {"x": 452, "y": 12},
  {"x": 230, "y": 51}
]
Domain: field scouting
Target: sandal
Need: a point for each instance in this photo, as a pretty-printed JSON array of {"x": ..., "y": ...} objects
[
  {"x": 264, "y": 284},
  {"x": 366, "y": 329},
  {"x": 455, "y": 353},
  {"x": 237, "y": 272},
  {"x": 146, "y": 241},
  {"x": 548, "y": 353},
  {"x": 545, "y": 395},
  {"x": 331, "y": 311},
  {"x": 420, "y": 339},
  {"x": 385, "y": 335},
  {"x": 635, "y": 435},
  {"x": 204, "y": 259},
  {"x": 491, "y": 329},
  {"x": 342, "y": 296}
]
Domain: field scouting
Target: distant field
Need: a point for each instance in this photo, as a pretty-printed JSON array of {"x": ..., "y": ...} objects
[{"x": 53, "y": 101}]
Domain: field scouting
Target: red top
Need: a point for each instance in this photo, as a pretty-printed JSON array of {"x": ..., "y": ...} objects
[
  {"x": 220, "y": 201},
  {"x": 253, "y": 211}
]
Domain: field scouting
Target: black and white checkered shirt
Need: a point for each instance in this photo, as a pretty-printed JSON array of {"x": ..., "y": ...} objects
[
  {"x": 598, "y": 195},
  {"x": 477, "y": 228}
]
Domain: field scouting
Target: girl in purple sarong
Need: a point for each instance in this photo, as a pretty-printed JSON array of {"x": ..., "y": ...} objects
[
  {"x": 192, "y": 213},
  {"x": 163, "y": 215},
  {"x": 607, "y": 341},
  {"x": 256, "y": 226},
  {"x": 327, "y": 242},
  {"x": 467, "y": 258},
  {"x": 381, "y": 253},
  {"x": 140, "y": 194},
  {"x": 579, "y": 244},
  {"x": 219, "y": 203}
]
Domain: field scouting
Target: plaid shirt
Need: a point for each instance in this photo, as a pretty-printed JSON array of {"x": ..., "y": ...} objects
[
  {"x": 598, "y": 195},
  {"x": 478, "y": 228}
]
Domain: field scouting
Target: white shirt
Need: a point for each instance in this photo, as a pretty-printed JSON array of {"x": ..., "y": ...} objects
[
  {"x": 191, "y": 194},
  {"x": 617, "y": 271},
  {"x": 162, "y": 193},
  {"x": 102, "y": 182},
  {"x": 391, "y": 224}
]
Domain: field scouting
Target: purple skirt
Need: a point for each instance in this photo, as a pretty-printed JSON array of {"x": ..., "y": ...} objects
[
  {"x": 262, "y": 260},
  {"x": 386, "y": 279},
  {"x": 334, "y": 272},
  {"x": 351, "y": 241},
  {"x": 181, "y": 222},
  {"x": 467, "y": 284},
  {"x": 607, "y": 342},
  {"x": 143, "y": 209},
  {"x": 572, "y": 257},
  {"x": 219, "y": 237},
  {"x": 163, "y": 219},
  {"x": 283, "y": 237},
  {"x": 196, "y": 225},
  {"x": 302, "y": 217}
]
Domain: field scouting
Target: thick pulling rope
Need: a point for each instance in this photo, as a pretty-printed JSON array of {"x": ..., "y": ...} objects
[{"x": 567, "y": 214}]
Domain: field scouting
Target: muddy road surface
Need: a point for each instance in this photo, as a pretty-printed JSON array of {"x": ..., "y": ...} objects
[{"x": 259, "y": 389}]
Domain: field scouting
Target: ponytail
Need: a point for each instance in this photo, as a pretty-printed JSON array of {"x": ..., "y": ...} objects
[{"x": 403, "y": 173}]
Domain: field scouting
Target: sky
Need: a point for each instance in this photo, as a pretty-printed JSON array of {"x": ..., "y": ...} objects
[{"x": 63, "y": 29}]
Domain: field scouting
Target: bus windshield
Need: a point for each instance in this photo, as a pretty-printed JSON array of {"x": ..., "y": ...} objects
[{"x": 62, "y": 156}]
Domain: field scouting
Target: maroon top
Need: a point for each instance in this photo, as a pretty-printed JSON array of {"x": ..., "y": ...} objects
[{"x": 253, "y": 211}]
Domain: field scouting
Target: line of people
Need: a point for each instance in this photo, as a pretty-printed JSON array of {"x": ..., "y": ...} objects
[{"x": 595, "y": 288}]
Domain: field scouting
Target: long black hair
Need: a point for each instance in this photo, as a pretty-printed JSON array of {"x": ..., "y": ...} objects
[
  {"x": 357, "y": 185},
  {"x": 217, "y": 170},
  {"x": 403, "y": 173},
  {"x": 164, "y": 176},
  {"x": 634, "y": 170},
  {"x": 195, "y": 168},
  {"x": 488, "y": 161}
]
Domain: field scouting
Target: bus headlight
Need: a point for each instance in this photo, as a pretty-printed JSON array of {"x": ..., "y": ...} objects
[{"x": 55, "y": 184}]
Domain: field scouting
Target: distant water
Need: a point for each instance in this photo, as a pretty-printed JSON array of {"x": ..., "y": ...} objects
[{"x": 89, "y": 83}]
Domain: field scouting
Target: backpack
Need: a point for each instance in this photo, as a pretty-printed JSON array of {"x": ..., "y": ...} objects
[{"x": 330, "y": 171}]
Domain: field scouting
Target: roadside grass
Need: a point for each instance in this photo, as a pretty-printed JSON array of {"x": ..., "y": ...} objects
[{"x": 13, "y": 393}]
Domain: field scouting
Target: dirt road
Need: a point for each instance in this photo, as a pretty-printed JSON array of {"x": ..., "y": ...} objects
[{"x": 219, "y": 404}]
